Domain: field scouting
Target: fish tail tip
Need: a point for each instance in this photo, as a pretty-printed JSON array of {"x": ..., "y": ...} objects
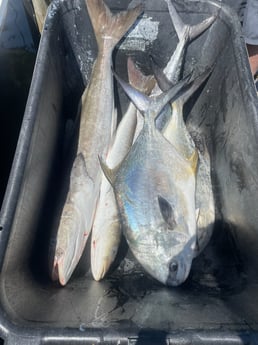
[{"x": 106, "y": 24}]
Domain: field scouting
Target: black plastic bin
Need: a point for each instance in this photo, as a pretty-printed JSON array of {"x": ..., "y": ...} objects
[
  {"x": 18, "y": 47},
  {"x": 218, "y": 304}
]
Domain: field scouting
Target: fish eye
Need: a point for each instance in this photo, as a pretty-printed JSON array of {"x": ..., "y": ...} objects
[{"x": 173, "y": 266}]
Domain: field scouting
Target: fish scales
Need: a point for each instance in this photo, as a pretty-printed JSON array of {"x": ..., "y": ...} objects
[
  {"x": 97, "y": 120},
  {"x": 155, "y": 191},
  {"x": 106, "y": 230}
]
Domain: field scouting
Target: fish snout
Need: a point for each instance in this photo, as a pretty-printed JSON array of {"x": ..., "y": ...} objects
[{"x": 178, "y": 271}]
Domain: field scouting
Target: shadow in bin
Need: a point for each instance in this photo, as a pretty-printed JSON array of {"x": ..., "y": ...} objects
[{"x": 152, "y": 338}]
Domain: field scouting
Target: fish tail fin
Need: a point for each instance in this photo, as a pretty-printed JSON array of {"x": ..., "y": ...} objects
[
  {"x": 171, "y": 95},
  {"x": 140, "y": 81},
  {"x": 152, "y": 105},
  {"x": 164, "y": 83},
  {"x": 198, "y": 29},
  {"x": 181, "y": 27},
  {"x": 110, "y": 26},
  {"x": 140, "y": 100},
  {"x": 194, "y": 85}
]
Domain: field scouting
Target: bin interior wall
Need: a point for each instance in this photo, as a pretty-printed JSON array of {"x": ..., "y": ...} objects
[{"x": 218, "y": 294}]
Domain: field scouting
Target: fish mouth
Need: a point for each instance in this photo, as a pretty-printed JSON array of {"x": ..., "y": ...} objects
[{"x": 62, "y": 267}]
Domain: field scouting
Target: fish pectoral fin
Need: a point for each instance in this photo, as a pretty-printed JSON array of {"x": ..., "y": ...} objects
[
  {"x": 167, "y": 212},
  {"x": 79, "y": 175}
]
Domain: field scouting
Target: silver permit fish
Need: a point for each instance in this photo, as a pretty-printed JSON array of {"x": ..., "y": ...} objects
[
  {"x": 94, "y": 139},
  {"x": 204, "y": 199},
  {"x": 173, "y": 70},
  {"x": 178, "y": 135},
  {"x": 186, "y": 34},
  {"x": 106, "y": 230},
  {"x": 155, "y": 192},
  {"x": 176, "y": 132}
]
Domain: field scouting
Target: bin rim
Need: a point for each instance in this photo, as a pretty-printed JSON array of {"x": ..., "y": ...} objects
[{"x": 14, "y": 333}]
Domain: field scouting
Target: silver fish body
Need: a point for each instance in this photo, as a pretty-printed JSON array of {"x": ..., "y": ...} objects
[
  {"x": 155, "y": 193},
  {"x": 178, "y": 135},
  {"x": 174, "y": 67},
  {"x": 107, "y": 229},
  {"x": 204, "y": 200},
  {"x": 97, "y": 120}
]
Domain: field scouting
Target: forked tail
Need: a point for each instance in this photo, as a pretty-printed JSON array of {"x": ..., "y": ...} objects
[{"x": 109, "y": 26}]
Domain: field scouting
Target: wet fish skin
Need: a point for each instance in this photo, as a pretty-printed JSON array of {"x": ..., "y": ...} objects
[
  {"x": 178, "y": 135},
  {"x": 186, "y": 33},
  {"x": 204, "y": 197},
  {"x": 106, "y": 230},
  {"x": 158, "y": 213},
  {"x": 173, "y": 70},
  {"x": 97, "y": 119}
]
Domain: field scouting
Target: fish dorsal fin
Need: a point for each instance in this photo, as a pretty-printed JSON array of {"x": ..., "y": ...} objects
[
  {"x": 141, "y": 82},
  {"x": 167, "y": 212}
]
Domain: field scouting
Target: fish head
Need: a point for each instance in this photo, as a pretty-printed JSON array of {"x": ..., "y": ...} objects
[
  {"x": 180, "y": 261},
  {"x": 178, "y": 229},
  {"x": 165, "y": 249},
  {"x": 68, "y": 246},
  {"x": 175, "y": 258}
]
